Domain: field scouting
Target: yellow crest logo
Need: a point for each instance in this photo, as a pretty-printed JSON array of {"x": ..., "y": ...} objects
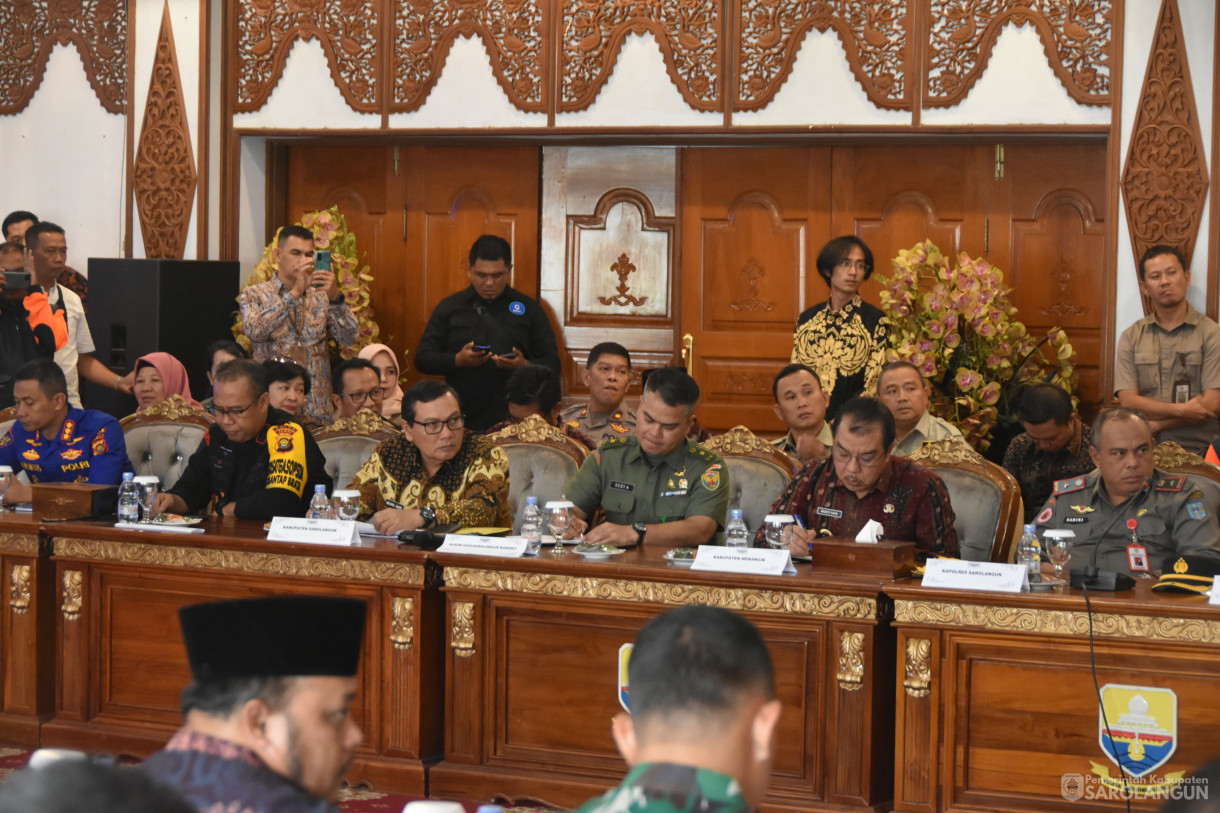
[
  {"x": 624, "y": 658},
  {"x": 1137, "y": 728}
]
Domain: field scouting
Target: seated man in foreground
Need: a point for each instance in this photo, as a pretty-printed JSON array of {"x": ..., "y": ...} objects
[
  {"x": 860, "y": 481},
  {"x": 707, "y": 746},
  {"x": 255, "y": 462},
  {"x": 1054, "y": 446},
  {"x": 800, "y": 402},
  {"x": 1128, "y": 515},
  {"x": 438, "y": 473},
  {"x": 656, "y": 483},
  {"x": 607, "y": 376},
  {"x": 57, "y": 443},
  {"x": 268, "y": 717},
  {"x": 905, "y": 392}
]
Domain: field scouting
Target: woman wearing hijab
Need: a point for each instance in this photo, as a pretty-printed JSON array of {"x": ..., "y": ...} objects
[
  {"x": 158, "y": 377},
  {"x": 382, "y": 358}
]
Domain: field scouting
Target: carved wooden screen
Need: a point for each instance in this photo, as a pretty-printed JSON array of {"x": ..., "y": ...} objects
[{"x": 416, "y": 217}]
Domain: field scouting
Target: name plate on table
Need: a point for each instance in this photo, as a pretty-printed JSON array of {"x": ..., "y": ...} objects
[
  {"x": 314, "y": 531},
  {"x": 511, "y": 546},
  {"x": 1214, "y": 598},
  {"x": 961, "y": 575},
  {"x": 757, "y": 561}
]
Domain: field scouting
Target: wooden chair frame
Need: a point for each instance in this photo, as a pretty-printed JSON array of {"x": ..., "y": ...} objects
[
  {"x": 741, "y": 442},
  {"x": 365, "y": 423},
  {"x": 174, "y": 410},
  {"x": 534, "y": 430}
]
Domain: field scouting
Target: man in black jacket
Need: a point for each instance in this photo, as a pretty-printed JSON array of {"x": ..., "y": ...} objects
[
  {"x": 19, "y": 340},
  {"x": 477, "y": 337},
  {"x": 255, "y": 462}
]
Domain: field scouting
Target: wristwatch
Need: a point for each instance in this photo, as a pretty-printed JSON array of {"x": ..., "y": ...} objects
[
  {"x": 641, "y": 529},
  {"x": 428, "y": 515}
]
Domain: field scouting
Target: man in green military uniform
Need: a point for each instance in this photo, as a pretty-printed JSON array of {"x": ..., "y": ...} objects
[
  {"x": 1128, "y": 515},
  {"x": 655, "y": 484},
  {"x": 706, "y": 748}
]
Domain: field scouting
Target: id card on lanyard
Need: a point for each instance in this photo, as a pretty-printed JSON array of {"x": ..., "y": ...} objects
[{"x": 1137, "y": 554}]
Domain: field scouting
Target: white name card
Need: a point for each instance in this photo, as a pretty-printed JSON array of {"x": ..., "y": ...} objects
[
  {"x": 511, "y": 546},
  {"x": 759, "y": 561},
  {"x": 1214, "y": 598},
  {"x": 313, "y": 531},
  {"x": 962, "y": 575}
]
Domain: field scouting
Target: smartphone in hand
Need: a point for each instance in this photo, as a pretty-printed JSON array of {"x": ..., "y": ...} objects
[
  {"x": 482, "y": 348},
  {"x": 321, "y": 262}
]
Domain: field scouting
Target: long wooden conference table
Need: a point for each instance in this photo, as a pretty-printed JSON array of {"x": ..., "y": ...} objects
[{"x": 497, "y": 678}]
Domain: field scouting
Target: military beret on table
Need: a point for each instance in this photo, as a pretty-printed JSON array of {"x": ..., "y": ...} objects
[
  {"x": 1187, "y": 574},
  {"x": 283, "y": 636}
]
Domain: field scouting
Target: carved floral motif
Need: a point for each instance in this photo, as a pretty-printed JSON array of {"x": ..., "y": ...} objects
[
  {"x": 876, "y": 34},
  {"x": 72, "y": 595},
  {"x": 623, "y": 267},
  {"x": 918, "y": 679},
  {"x": 19, "y": 589},
  {"x": 1076, "y": 35},
  {"x": 1165, "y": 179},
  {"x": 164, "y": 175},
  {"x": 752, "y": 303},
  {"x": 946, "y": 452},
  {"x": 29, "y": 29},
  {"x": 689, "y": 33},
  {"x": 851, "y": 661},
  {"x": 402, "y": 623},
  {"x": 462, "y": 630},
  {"x": 349, "y": 31},
  {"x": 1170, "y": 455},
  {"x": 511, "y": 30}
]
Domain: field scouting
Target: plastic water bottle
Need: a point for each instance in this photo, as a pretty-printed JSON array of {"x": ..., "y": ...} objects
[
  {"x": 531, "y": 526},
  {"x": 1029, "y": 552},
  {"x": 736, "y": 535},
  {"x": 129, "y": 499},
  {"x": 319, "y": 506}
]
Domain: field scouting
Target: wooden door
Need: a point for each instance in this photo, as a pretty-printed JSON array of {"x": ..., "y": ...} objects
[
  {"x": 415, "y": 211},
  {"x": 752, "y": 220}
]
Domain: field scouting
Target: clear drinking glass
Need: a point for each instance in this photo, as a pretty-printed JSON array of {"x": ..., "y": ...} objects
[
  {"x": 6, "y": 480},
  {"x": 346, "y": 504},
  {"x": 778, "y": 530},
  {"x": 559, "y": 519},
  {"x": 1059, "y": 549},
  {"x": 147, "y": 487}
]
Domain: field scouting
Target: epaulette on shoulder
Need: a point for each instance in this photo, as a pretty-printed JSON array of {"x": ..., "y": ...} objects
[
  {"x": 1170, "y": 483},
  {"x": 1069, "y": 485}
]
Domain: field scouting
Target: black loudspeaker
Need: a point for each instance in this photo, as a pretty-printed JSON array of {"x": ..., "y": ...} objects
[{"x": 138, "y": 307}]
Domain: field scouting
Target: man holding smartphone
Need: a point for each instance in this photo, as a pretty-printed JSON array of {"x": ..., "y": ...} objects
[
  {"x": 293, "y": 315},
  {"x": 477, "y": 337}
]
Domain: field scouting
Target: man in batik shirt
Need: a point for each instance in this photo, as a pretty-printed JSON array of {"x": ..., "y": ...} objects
[
  {"x": 438, "y": 473},
  {"x": 1054, "y": 446},
  {"x": 292, "y": 315}
]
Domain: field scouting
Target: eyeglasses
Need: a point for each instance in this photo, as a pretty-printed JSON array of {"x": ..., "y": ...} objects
[
  {"x": 859, "y": 265},
  {"x": 864, "y": 461},
  {"x": 434, "y": 427},
  {"x": 234, "y": 412},
  {"x": 361, "y": 397}
]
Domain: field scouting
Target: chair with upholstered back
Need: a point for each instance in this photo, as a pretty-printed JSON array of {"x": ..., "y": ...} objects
[
  {"x": 349, "y": 442},
  {"x": 161, "y": 439},
  {"x": 985, "y": 497},
  {"x": 542, "y": 460},
  {"x": 8, "y": 417},
  {"x": 758, "y": 472},
  {"x": 1173, "y": 459}
]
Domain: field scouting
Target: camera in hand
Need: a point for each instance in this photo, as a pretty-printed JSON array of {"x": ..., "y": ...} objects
[{"x": 16, "y": 280}]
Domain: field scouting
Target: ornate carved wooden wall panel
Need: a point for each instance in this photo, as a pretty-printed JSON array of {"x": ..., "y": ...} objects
[
  {"x": 164, "y": 176},
  {"x": 875, "y": 35},
  {"x": 619, "y": 262},
  {"x": 349, "y": 31},
  {"x": 29, "y": 29},
  {"x": 514, "y": 32},
  {"x": 690, "y": 35},
  {"x": 1165, "y": 178},
  {"x": 1075, "y": 35}
]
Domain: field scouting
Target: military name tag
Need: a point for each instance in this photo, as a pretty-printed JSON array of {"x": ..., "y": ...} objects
[
  {"x": 829, "y": 512},
  {"x": 392, "y": 504},
  {"x": 621, "y": 486},
  {"x": 1070, "y": 520}
]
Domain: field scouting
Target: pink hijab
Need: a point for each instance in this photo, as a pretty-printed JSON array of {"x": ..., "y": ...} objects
[
  {"x": 173, "y": 375},
  {"x": 391, "y": 403}
]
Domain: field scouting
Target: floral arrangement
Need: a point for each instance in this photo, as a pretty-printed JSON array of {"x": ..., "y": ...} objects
[
  {"x": 957, "y": 325},
  {"x": 330, "y": 232}
]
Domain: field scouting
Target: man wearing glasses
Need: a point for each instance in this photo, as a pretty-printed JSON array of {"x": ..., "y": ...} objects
[
  {"x": 861, "y": 480},
  {"x": 438, "y": 473},
  {"x": 255, "y": 462},
  {"x": 357, "y": 386}
]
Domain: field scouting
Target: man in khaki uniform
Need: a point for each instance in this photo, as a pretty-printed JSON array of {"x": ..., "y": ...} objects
[
  {"x": 800, "y": 402},
  {"x": 656, "y": 483},
  {"x": 1127, "y": 515},
  {"x": 902, "y": 388},
  {"x": 607, "y": 375},
  {"x": 1168, "y": 364}
]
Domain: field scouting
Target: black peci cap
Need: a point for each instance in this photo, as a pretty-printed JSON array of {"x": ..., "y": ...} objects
[
  {"x": 284, "y": 636},
  {"x": 1187, "y": 574}
]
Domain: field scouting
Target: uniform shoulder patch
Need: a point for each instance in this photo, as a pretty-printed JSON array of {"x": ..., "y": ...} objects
[
  {"x": 1069, "y": 485},
  {"x": 711, "y": 477},
  {"x": 1170, "y": 483}
]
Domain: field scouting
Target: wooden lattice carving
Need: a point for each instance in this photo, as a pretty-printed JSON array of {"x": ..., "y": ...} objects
[
  {"x": 164, "y": 176},
  {"x": 29, "y": 29},
  {"x": 961, "y": 34},
  {"x": 513, "y": 31},
  {"x": 875, "y": 35},
  {"x": 690, "y": 34},
  {"x": 349, "y": 31},
  {"x": 1165, "y": 178}
]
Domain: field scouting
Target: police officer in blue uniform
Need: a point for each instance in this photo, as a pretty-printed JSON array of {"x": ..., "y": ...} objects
[{"x": 53, "y": 442}]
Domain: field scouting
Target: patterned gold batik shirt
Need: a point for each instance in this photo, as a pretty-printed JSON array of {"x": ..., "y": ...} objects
[
  {"x": 471, "y": 489},
  {"x": 845, "y": 348}
]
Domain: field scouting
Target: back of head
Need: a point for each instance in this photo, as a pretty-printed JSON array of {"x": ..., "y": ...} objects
[
  {"x": 244, "y": 370},
  {"x": 673, "y": 386},
  {"x": 1043, "y": 402},
  {"x": 606, "y": 349},
  {"x": 33, "y": 233},
  {"x": 294, "y": 231},
  {"x": 534, "y": 384},
  {"x": 491, "y": 247},
  {"x": 862, "y": 414},
  {"x": 694, "y": 668},
  {"x": 425, "y": 392},
  {"x": 72, "y": 785},
  {"x": 228, "y": 346},
  {"x": 1197, "y": 793},
  {"x": 47, "y": 373}
]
